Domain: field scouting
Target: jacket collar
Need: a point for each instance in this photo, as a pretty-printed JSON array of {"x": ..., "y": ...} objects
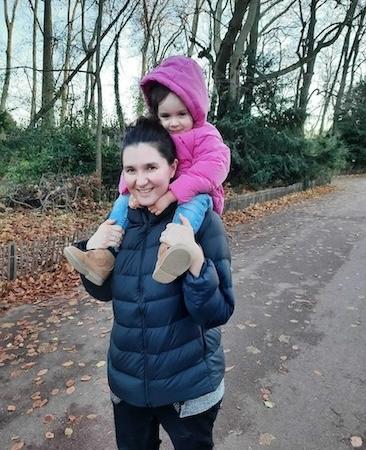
[{"x": 143, "y": 215}]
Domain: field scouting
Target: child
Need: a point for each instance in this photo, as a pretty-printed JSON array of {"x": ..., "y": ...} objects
[{"x": 177, "y": 96}]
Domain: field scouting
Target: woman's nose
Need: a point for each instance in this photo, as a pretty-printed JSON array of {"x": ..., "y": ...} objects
[{"x": 141, "y": 179}]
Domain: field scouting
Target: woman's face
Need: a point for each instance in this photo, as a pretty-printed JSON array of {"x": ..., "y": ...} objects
[{"x": 147, "y": 174}]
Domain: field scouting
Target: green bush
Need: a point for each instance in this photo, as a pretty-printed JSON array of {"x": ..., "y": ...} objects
[
  {"x": 351, "y": 127},
  {"x": 265, "y": 157},
  {"x": 30, "y": 153}
]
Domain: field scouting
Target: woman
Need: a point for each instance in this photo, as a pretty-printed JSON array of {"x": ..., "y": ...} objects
[{"x": 165, "y": 360}]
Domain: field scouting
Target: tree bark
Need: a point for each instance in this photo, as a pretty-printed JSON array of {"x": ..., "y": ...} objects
[
  {"x": 347, "y": 60},
  {"x": 224, "y": 55},
  {"x": 98, "y": 146},
  {"x": 65, "y": 92},
  {"x": 9, "y": 46},
  {"x": 248, "y": 87},
  {"x": 34, "y": 61},
  {"x": 75, "y": 71},
  {"x": 47, "y": 67},
  {"x": 120, "y": 117}
]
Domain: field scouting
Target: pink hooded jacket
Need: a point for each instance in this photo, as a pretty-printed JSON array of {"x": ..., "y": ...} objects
[{"x": 204, "y": 160}]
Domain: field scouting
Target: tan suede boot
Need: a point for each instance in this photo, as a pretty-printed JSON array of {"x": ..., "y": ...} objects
[
  {"x": 172, "y": 262},
  {"x": 95, "y": 265}
]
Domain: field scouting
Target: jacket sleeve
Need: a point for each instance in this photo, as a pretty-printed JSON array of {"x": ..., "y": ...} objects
[
  {"x": 211, "y": 165},
  {"x": 103, "y": 292},
  {"x": 209, "y": 298}
]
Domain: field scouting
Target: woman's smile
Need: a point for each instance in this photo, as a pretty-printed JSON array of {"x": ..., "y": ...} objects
[{"x": 147, "y": 174}]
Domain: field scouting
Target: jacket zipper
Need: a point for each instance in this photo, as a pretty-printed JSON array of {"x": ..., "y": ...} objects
[{"x": 142, "y": 312}]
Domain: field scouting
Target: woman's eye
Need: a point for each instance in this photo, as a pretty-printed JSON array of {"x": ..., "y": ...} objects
[
  {"x": 151, "y": 168},
  {"x": 129, "y": 171}
]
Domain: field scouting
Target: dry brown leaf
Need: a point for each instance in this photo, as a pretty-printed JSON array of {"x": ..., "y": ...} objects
[
  {"x": 55, "y": 391},
  {"x": 18, "y": 445},
  {"x": 91, "y": 416},
  {"x": 70, "y": 390},
  {"x": 85, "y": 378},
  {"x": 69, "y": 383},
  {"x": 48, "y": 418},
  {"x": 49, "y": 435},
  {"x": 68, "y": 363},
  {"x": 100, "y": 364},
  {"x": 11, "y": 408}
]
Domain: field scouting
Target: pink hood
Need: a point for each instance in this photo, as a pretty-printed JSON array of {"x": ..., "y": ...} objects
[{"x": 184, "y": 77}]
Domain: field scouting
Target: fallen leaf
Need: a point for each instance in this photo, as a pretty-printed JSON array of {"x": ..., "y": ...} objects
[
  {"x": 229, "y": 368},
  {"x": 7, "y": 325},
  {"x": 48, "y": 418},
  {"x": 85, "y": 378},
  {"x": 284, "y": 339},
  {"x": 68, "y": 363},
  {"x": 70, "y": 390},
  {"x": 318, "y": 372},
  {"x": 253, "y": 350},
  {"x": 356, "y": 441},
  {"x": 100, "y": 364},
  {"x": 55, "y": 391},
  {"x": 11, "y": 408},
  {"x": 240, "y": 326},
  {"x": 18, "y": 446},
  {"x": 268, "y": 403},
  {"x": 69, "y": 383},
  {"x": 265, "y": 439},
  {"x": 68, "y": 432},
  {"x": 28, "y": 365},
  {"x": 91, "y": 416},
  {"x": 49, "y": 435}
]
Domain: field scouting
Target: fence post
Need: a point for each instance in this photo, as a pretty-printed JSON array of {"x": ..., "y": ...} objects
[{"x": 12, "y": 262}]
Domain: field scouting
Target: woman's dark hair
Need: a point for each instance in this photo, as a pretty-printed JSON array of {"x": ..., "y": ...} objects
[
  {"x": 156, "y": 94},
  {"x": 150, "y": 131}
]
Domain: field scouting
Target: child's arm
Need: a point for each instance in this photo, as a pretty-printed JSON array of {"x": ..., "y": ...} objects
[{"x": 210, "y": 168}]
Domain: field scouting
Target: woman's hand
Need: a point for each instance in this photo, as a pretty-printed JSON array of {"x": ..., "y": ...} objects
[
  {"x": 175, "y": 234},
  {"x": 107, "y": 235}
]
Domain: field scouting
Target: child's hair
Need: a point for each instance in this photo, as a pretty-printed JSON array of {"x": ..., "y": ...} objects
[
  {"x": 157, "y": 93},
  {"x": 150, "y": 131}
]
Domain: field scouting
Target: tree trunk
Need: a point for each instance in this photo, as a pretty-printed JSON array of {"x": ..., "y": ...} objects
[
  {"x": 34, "y": 61},
  {"x": 98, "y": 147},
  {"x": 309, "y": 67},
  {"x": 121, "y": 121},
  {"x": 248, "y": 87},
  {"x": 47, "y": 69},
  {"x": 195, "y": 26},
  {"x": 65, "y": 92},
  {"x": 224, "y": 54},
  {"x": 9, "y": 47},
  {"x": 346, "y": 64}
]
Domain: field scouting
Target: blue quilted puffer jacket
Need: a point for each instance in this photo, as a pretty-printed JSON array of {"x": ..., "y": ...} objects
[{"x": 165, "y": 342}]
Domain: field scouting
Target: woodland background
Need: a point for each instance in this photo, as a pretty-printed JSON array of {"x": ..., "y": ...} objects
[{"x": 286, "y": 79}]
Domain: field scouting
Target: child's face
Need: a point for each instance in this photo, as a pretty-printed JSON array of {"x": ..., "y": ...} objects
[{"x": 173, "y": 115}]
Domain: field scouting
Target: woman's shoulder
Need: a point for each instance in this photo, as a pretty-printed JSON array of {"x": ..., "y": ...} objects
[{"x": 212, "y": 226}]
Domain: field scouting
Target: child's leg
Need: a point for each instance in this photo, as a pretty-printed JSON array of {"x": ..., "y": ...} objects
[
  {"x": 96, "y": 265},
  {"x": 174, "y": 261},
  {"x": 194, "y": 210},
  {"x": 120, "y": 210}
]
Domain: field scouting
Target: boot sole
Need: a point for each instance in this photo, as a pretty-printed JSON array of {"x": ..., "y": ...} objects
[
  {"x": 177, "y": 260},
  {"x": 82, "y": 268}
]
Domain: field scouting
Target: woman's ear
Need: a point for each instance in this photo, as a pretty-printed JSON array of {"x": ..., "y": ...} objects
[{"x": 173, "y": 168}]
